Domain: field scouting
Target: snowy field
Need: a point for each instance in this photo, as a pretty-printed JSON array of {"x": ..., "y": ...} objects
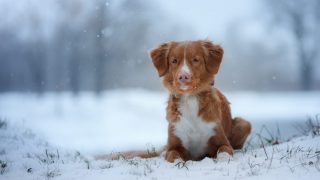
[{"x": 56, "y": 136}]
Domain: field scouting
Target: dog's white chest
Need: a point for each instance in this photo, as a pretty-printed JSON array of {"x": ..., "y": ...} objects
[{"x": 191, "y": 129}]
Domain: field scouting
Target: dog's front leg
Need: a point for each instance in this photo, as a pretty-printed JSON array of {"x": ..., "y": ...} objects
[
  {"x": 173, "y": 114},
  {"x": 175, "y": 149},
  {"x": 219, "y": 143}
]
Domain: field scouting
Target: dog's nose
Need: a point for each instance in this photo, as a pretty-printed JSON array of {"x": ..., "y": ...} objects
[{"x": 184, "y": 77}]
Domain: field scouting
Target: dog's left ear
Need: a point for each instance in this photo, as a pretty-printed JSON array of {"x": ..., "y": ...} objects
[{"x": 214, "y": 54}]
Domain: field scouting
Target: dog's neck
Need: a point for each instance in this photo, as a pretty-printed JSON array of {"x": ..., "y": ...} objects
[{"x": 207, "y": 102}]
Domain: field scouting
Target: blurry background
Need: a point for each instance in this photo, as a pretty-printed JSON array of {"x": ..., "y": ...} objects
[
  {"x": 77, "y": 72},
  {"x": 80, "y": 45}
]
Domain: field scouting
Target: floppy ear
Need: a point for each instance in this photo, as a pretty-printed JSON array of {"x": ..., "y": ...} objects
[
  {"x": 214, "y": 54},
  {"x": 159, "y": 58}
]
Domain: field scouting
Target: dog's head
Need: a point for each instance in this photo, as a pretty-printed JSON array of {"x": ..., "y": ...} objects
[{"x": 187, "y": 67}]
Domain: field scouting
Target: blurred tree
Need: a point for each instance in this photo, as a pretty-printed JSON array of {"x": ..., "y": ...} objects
[
  {"x": 302, "y": 19},
  {"x": 35, "y": 51},
  {"x": 80, "y": 45},
  {"x": 99, "y": 24},
  {"x": 265, "y": 55}
]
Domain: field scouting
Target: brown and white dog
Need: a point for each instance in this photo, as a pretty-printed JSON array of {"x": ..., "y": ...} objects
[{"x": 200, "y": 121}]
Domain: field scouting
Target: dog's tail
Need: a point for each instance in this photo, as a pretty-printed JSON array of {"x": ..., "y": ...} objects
[{"x": 130, "y": 155}]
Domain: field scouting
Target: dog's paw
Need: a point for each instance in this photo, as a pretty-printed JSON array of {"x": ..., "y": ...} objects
[
  {"x": 224, "y": 156},
  {"x": 171, "y": 156}
]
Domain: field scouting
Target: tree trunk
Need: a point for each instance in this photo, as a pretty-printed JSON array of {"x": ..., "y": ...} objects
[{"x": 306, "y": 71}]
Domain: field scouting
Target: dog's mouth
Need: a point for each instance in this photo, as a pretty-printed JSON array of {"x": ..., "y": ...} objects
[
  {"x": 181, "y": 88},
  {"x": 187, "y": 87},
  {"x": 184, "y": 87}
]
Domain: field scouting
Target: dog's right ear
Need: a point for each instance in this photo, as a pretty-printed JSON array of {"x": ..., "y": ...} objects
[{"x": 159, "y": 56}]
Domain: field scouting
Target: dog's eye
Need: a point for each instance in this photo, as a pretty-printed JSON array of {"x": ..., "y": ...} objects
[
  {"x": 195, "y": 60},
  {"x": 174, "y": 61}
]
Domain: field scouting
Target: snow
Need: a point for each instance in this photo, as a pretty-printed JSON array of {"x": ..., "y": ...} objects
[
  {"x": 58, "y": 135},
  {"x": 28, "y": 156}
]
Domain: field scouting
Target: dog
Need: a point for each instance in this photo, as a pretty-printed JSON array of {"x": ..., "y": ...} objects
[{"x": 199, "y": 117}]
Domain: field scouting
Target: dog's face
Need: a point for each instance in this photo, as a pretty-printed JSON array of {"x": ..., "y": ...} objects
[{"x": 187, "y": 67}]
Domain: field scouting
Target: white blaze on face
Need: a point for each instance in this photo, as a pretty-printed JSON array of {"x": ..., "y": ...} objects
[{"x": 185, "y": 68}]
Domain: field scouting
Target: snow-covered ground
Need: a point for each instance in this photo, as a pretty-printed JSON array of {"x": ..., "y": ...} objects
[
  {"x": 23, "y": 155},
  {"x": 57, "y": 135}
]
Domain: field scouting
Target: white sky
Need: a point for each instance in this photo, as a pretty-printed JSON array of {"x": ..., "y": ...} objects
[{"x": 210, "y": 17}]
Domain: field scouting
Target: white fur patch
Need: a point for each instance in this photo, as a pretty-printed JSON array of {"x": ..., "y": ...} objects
[
  {"x": 191, "y": 129},
  {"x": 184, "y": 87},
  {"x": 185, "y": 67}
]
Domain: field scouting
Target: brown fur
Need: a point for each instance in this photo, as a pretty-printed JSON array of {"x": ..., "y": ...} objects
[
  {"x": 213, "y": 105},
  {"x": 203, "y": 59},
  {"x": 129, "y": 155}
]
